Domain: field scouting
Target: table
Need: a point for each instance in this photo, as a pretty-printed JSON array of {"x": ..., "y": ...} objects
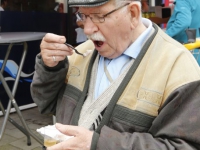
[{"x": 12, "y": 38}]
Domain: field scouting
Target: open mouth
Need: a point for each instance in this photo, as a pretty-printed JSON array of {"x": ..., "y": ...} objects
[{"x": 98, "y": 43}]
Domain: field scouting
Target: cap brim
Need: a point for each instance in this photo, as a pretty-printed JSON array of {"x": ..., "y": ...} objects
[{"x": 86, "y": 3}]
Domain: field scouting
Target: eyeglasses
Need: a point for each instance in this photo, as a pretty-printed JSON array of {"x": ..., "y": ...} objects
[{"x": 95, "y": 16}]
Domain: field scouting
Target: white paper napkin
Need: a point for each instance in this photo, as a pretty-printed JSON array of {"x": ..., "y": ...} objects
[{"x": 52, "y": 132}]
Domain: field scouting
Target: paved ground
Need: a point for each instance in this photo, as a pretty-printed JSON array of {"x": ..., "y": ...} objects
[{"x": 14, "y": 139}]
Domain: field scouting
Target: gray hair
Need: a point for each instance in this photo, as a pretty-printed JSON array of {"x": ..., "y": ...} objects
[{"x": 119, "y": 3}]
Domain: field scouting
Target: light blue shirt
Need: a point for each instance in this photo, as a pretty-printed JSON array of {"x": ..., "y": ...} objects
[{"x": 117, "y": 65}]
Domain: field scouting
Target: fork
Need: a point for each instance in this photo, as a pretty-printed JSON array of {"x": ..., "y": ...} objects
[{"x": 77, "y": 52}]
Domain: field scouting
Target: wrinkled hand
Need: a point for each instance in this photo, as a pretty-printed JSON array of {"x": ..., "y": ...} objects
[
  {"x": 81, "y": 141},
  {"x": 53, "y": 49}
]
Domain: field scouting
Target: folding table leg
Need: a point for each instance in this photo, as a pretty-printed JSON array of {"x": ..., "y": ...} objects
[
  {"x": 15, "y": 124},
  {"x": 17, "y": 109},
  {"x": 11, "y": 95},
  {"x": 6, "y": 113}
]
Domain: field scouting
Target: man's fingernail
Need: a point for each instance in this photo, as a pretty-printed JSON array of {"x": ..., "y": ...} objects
[{"x": 62, "y": 40}]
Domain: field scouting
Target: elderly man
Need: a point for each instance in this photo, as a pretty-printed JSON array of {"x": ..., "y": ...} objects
[{"x": 135, "y": 88}]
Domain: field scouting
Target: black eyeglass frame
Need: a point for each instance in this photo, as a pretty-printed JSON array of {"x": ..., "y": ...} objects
[{"x": 102, "y": 18}]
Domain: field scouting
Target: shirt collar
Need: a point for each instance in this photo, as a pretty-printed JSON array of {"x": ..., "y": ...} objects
[{"x": 134, "y": 49}]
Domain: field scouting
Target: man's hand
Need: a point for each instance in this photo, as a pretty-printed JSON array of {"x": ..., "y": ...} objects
[
  {"x": 81, "y": 141},
  {"x": 53, "y": 49}
]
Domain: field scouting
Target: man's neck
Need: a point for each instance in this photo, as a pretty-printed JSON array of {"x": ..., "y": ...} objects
[{"x": 138, "y": 31}]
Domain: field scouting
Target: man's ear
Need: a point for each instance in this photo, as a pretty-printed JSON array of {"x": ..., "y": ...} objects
[{"x": 135, "y": 13}]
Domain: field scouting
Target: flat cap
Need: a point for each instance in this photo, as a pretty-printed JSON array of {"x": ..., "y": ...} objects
[{"x": 86, "y": 3}]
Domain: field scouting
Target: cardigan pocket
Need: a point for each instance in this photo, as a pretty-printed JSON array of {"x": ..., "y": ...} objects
[
  {"x": 67, "y": 104},
  {"x": 64, "y": 113}
]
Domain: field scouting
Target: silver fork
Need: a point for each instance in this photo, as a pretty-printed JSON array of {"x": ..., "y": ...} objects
[{"x": 77, "y": 52}]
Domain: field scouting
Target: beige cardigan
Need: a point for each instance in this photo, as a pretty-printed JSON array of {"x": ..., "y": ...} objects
[{"x": 155, "y": 78}]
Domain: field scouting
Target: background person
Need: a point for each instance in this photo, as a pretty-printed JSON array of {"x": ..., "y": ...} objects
[
  {"x": 4, "y": 4},
  {"x": 114, "y": 98},
  {"x": 185, "y": 15},
  {"x": 145, "y": 7},
  {"x": 59, "y": 8}
]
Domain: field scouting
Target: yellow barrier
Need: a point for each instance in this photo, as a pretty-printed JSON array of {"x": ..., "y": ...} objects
[{"x": 191, "y": 46}]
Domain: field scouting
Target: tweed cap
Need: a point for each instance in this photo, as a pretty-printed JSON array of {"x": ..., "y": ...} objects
[{"x": 86, "y": 3}]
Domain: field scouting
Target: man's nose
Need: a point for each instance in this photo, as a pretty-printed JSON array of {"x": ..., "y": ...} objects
[{"x": 90, "y": 27}]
